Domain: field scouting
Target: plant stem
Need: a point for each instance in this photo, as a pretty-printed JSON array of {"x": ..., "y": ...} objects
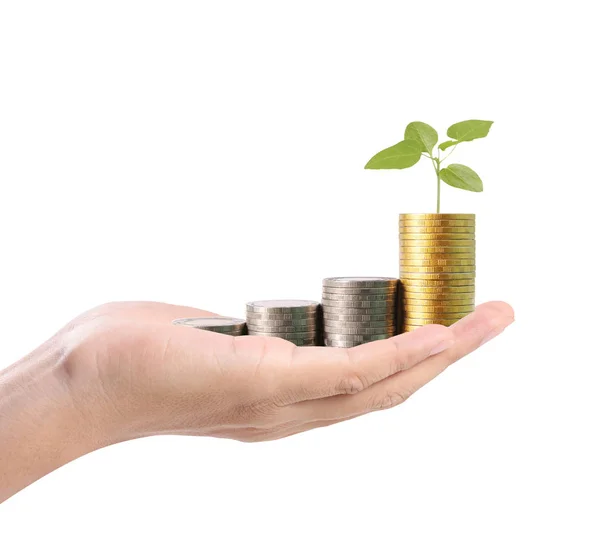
[
  {"x": 450, "y": 153},
  {"x": 439, "y": 184},
  {"x": 436, "y": 167}
]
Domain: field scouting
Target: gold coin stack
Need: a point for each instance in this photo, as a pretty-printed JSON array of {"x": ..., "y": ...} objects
[{"x": 437, "y": 268}]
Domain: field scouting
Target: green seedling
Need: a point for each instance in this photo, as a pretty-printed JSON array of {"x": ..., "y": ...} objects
[{"x": 420, "y": 140}]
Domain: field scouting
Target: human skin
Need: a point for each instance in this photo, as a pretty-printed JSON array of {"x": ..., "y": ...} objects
[{"x": 123, "y": 371}]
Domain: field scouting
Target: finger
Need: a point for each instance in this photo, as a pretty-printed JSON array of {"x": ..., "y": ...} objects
[
  {"x": 486, "y": 322},
  {"x": 322, "y": 372},
  {"x": 257, "y": 435},
  {"x": 307, "y": 427}
]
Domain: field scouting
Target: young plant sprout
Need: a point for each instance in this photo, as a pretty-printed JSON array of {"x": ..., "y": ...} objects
[{"x": 420, "y": 140}]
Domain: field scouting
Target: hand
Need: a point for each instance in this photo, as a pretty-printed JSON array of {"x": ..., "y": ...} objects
[
  {"x": 154, "y": 377},
  {"x": 123, "y": 370}
]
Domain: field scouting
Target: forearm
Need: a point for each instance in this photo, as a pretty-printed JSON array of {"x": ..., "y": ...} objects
[{"x": 44, "y": 421}]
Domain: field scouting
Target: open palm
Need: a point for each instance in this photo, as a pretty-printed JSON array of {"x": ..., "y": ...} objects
[{"x": 156, "y": 377}]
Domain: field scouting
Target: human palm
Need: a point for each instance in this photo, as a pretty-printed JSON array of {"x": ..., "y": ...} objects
[{"x": 156, "y": 377}]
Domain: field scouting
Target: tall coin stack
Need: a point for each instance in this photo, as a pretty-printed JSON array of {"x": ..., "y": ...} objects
[
  {"x": 357, "y": 310},
  {"x": 296, "y": 321},
  {"x": 437, "y": 268},
  {"x": 223, "y": 325}
]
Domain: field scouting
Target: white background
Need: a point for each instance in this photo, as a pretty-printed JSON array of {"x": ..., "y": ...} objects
[{"x": 210, "y": 153}]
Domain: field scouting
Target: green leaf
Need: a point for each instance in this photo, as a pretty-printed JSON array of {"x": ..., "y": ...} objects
[
  {"x": 424, "y": 134},
  {"x": 465, "y": 131},
  {"x": 403, "y": 155},
  {"x": 448, "y": 144},
  {"x": 461, "y": 177}
]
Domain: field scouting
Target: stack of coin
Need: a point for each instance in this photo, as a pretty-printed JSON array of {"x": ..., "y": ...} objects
[
  {"x": 296, "y": 321},
  {"x": 231, "y": 326},
  {"x": 357, "y": 310},
  {"x": 437, "y": 268}
]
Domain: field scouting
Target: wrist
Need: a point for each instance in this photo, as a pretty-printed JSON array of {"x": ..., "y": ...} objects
[{"x": 47, "y": 417}]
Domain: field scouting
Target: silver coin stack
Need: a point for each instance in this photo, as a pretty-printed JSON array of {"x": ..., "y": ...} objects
[
  {"x": 357, "y": 310},
  {"x": 223, "y": 325},
  {"x": 296, "y": 321}
]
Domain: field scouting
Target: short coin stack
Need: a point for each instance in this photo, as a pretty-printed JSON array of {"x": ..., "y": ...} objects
[
  {"x": 437, "y": 268},
  {"x": 293, "y": 320},
  {"x": 357, "y": 310},
  {"x": 231, "y": 326}
]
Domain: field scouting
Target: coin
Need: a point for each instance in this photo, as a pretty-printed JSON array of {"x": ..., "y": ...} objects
[
  {"x": 363, "y": 321},
  {"x": 418, "y": 309},
  {"x": 406, "y": 257},
  {"x": 360, "y": 282},
  {"x": 358, "y": 304},
  {"x": 225, "y": 325},
  {"x": 338, "y": 325},
  {"x": 436, "y": 236},
  {"x": 438, "y": 296},
  {"x": 403, "y": 224},
  {"x": 336, "y": 300},
  {"x": 445, "y": 322},
  {"x": 440, "y": 286},
  {"x": 350, "y": 311},
  {"x": 440, "y": 311},
  {"x": 433, "y": 318},
  {"x": 435, "y": 297},
  {"x": 389, "y": 319},
  {"x": 437, "y": 230},
  {"x": 437, "y": 279},
  {"x": 355, "y": 338},
  {"x": 282, "y": 334},
  {"x": 253, "y": 329},
  {"x": 426, "y": 262},
  {"x": 283, "y": 323},
  {"x": 366, "y": 331},
  {"x": 282, "y": 306},
  {"x": 308, "y": 329},
  {"x": 429, "y": 286},
  {"x": 230, "y": 332},
  {"x": 470, "y": 219},
  {"x": 224, "y": 330},
  {"x": 441, "y": 276},
  {"x": 437, "y": 250},
  {"x": 408, "y": 315},
  {"x": 436, "y": 216},
  {"x": 345, "y": 297},
  {"x": 438, "y": 292},
  {"x": 276, "y": 323},
  {"x": 439, "y": 242},
  {"x": 351, "y": 331},
  {"x": 292, "y": 316},
  {"x": 210, "y": 322},
  {"x": 334, "y": 343},
  {"x": 438, "y": 269},
  {"x": 355, "y": 317},
  {"x": 301, "y": 339},
  {"x": 390, "y": 290},
  {"x": 411, "y": 304}
]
